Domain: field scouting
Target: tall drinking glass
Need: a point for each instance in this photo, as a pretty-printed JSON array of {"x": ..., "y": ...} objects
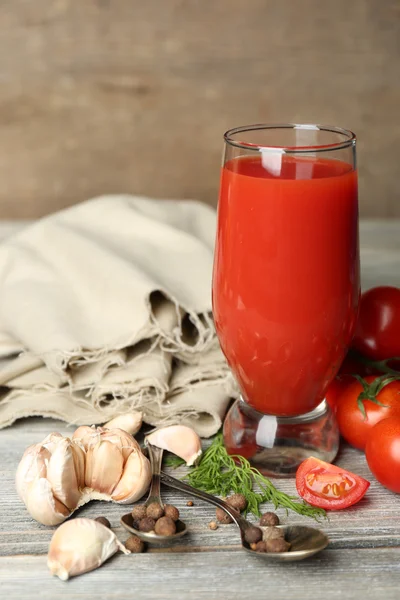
[{"x": 286, "y": 286}]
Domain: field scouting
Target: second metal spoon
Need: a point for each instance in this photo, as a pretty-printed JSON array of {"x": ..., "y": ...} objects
[
  {"x": 305, "y": 541},
  {"x": 155, "y": 456}
]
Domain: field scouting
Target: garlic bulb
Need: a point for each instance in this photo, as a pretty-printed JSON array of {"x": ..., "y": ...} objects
[
  {"x": 130, "y": 422},
  {"x": 58, "y": 475},
  {"x": 79, "y": 546},
  {"x": 178, "y": 439}
]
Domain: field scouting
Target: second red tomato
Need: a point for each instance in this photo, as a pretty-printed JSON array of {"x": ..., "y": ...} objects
[{"x": 353, "y": 425}]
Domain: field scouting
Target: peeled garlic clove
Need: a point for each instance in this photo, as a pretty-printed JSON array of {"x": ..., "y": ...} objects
[
  {"x": 79, "y": 462},
  {"x": 33, "y": 465},
  {"x": 42, "y": 505},
  {"x": 104, "y": 464},
  {"x": 129, "y": 422},
  {"x": 85, "y": 435},
  {"x": 79, "y": 546},
  {"x": 178, "y": 439},
  {"x": 62, "y": 476},
  {"x": 135, "y": 479}
]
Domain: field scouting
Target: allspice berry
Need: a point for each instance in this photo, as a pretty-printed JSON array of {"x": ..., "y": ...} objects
[
  {"x": 223, "y": 517},
  {"x": 171, "y": 511},
  {"x": 165, "y": 526},
  {"x": 147, "y": 524},
  {"x": 252, "y": 535},
  {"x": 134, "y": 544},
  {"x": 237, "y": 501},
  {"x": 104, "y": 522},
  {"x": 155, "y": 511},
  {"x": 139, "y": 512},
  {"x": 261, "y": 547},
  {"x": 269, "y": 519},
  {"x": 272, "y": 533},
  {"x": 277, "y": 545},
  {"x": 213, "y": 525}
]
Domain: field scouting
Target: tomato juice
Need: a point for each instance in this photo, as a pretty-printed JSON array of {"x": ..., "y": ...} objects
[{"x": 286, "y": 277}]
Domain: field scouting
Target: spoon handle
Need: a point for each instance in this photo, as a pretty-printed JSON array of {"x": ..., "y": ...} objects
[
  {"x": 188, "y": 489},
  {"x": 155, "y": 456}
]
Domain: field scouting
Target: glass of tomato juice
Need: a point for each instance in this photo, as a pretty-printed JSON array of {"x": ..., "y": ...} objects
[{"x": 285, "y": 286}]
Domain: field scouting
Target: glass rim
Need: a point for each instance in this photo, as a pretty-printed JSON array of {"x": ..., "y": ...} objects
[{"x": 348, "y": 141}]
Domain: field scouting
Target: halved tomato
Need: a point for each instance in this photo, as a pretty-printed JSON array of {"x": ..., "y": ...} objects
[{"x": 327, "y": 486}]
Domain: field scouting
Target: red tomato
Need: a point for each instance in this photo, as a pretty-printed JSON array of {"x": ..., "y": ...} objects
[
  {"x": 335, "y": 390},
  {"x": 383, "y": 453},
  {"x": 324, "y": 485},
  {"x": 356, "y": 427},
  {"x": 378, "y": 328}
]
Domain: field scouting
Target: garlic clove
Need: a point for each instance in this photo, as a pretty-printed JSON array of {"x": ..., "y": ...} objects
[
  {"x": 79, "y": 546},
  {"x": 51, "y": 441},
  {"x": 178, "y": 439},
  {"x": 104, "y": 464},
  {"x": 135, "y": 479},
  {"x": 129, "y": 422},
  {"x": 123, "y": 440},
  {"x": 32, "y": 466},
  {"x": 42, "y": 505},
  {"x": 85, "y": 435},
  {"x": 61, "y": 474},
  {"x": 79, "y": 462}
]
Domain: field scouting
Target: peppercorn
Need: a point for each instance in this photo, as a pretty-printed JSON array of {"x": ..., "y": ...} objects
[
  {"x": 155, "y": 511},
  {"x": 165, "y": 526},
  {"x": 272, "y": 533},
  {"x": 213, "y": 525},
  {"x": 104, "y": 522},
  {"x": 269, "y": 519},
  {"x": 134, "y": 544},
  {"x": 171, "y": 511},
  {"x": 139, "y": 512},
  {"x": 223, "y": 517},
  {"x": 237, "y": 501},
  {"x": 253, "y": 535},
  {"x": 277, "y": 545},
  {"x": 189, "y": 503},
  {"x": 261, "y": 546},
  {"x": 147, "y": 524}
]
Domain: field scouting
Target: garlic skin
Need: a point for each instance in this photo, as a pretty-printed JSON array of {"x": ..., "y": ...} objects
[
  {"x": 178, "y": 439},
  {"x": 79, "y": 546},
  {"x": 129, "y": 422},
  {"x": 58, "y": 475}
]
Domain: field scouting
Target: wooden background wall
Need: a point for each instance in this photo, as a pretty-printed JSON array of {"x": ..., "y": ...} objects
[{"x": 102, "y": 96}]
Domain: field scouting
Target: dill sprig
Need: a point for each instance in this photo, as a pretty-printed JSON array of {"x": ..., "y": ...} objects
[{"x": 220, "y": 473}]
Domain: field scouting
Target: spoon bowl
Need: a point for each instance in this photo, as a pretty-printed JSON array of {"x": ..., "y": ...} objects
[
  {"x": 305, "y": 541},
  {"x": 151, "y": 537}
]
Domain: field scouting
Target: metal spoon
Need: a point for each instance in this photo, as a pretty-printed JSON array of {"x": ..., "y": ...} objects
[
  {"x": 305, "y": 541},
  {"x": 155, "y": 456}
]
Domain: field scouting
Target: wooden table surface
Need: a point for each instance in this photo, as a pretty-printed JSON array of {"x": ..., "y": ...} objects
[{"x": 362, "y": 559}]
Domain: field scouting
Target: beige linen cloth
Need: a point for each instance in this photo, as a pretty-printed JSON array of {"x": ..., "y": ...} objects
[{"x": 106, "y": 307}]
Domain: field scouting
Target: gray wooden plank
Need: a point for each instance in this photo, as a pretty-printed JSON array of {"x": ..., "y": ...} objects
[{"x": 347, "y": 574}]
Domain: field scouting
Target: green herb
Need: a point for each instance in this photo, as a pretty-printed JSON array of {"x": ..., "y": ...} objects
[{"x": 220, "y": 473}]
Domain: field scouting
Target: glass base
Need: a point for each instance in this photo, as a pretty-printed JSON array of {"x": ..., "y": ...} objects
[{"x": 277, "y": 445}]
